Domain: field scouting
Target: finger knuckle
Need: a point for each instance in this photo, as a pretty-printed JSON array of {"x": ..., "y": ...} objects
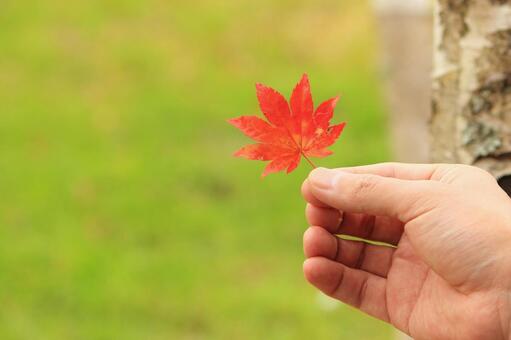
[
  {"x": 470, "y": 169},
  {"x": 364, "y": 185},
  {"x": 483, "y": 173}
]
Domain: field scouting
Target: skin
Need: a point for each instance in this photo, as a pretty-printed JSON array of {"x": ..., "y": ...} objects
[{"x": 447, "y": 273}]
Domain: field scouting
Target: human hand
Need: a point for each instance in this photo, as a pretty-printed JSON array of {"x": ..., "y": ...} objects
[{"x": 448, "y": 272}]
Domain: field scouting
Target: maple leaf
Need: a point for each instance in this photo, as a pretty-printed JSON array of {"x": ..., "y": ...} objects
[{"x": 293, "y": 130}]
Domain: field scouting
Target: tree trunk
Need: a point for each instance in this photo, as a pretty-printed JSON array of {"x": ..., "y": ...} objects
[
  {"x": 471, "y": 109},
  {"x": 404, "y": 29}
]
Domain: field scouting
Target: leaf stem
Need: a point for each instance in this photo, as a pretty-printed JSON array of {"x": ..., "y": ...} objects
[{"x": 308, "y": 160}]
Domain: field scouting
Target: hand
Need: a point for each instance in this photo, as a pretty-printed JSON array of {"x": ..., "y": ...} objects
[{"x": 447, "y": 271}]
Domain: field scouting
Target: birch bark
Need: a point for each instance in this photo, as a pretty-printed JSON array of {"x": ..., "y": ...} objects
[{"x": 471, "y": 107}]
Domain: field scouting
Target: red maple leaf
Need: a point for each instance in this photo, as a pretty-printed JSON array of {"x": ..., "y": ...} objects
[{"x": 292, "y": 131}]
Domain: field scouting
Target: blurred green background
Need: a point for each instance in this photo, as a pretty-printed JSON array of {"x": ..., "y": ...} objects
[{"x": 123, "y": 214}]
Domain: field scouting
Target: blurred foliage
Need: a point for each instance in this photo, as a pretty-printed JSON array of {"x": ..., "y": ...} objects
[{"x": 123, "y": 214}]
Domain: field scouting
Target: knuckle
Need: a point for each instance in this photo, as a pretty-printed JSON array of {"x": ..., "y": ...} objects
[
  {"x": 364, "y": 184},
  {"x": 483, "y": 173},
  {"x": 461, "y": 173},
  {"x": 473, "y": 170}
]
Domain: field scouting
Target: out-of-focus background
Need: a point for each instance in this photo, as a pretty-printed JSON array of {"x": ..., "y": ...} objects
[{"x": 123, "y": 214}]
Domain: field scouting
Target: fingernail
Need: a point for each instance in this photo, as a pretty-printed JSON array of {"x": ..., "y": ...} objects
[{"x": 323, "y": 178}]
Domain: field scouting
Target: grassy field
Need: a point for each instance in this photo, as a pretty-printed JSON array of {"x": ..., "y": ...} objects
[{"x": 123, "y": 214}]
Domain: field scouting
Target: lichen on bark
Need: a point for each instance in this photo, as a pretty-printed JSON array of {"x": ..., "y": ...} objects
[
  {"x": 452, "y": 18},
  {"x": 471, "y": 118}
]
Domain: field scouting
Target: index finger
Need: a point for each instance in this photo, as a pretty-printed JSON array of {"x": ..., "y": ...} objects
[
  {"x": 373, "y": 194},
  {"x": 406, "y": 171}
]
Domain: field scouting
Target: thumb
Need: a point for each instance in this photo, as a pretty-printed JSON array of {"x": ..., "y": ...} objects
[{"x": 372, "y": 194}]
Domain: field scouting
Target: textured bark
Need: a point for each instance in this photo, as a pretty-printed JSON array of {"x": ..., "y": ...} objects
[{"x": 471, "y": 110}]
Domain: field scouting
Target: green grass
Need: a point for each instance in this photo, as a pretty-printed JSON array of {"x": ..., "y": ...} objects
[{"x": 123, "y": 214}]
